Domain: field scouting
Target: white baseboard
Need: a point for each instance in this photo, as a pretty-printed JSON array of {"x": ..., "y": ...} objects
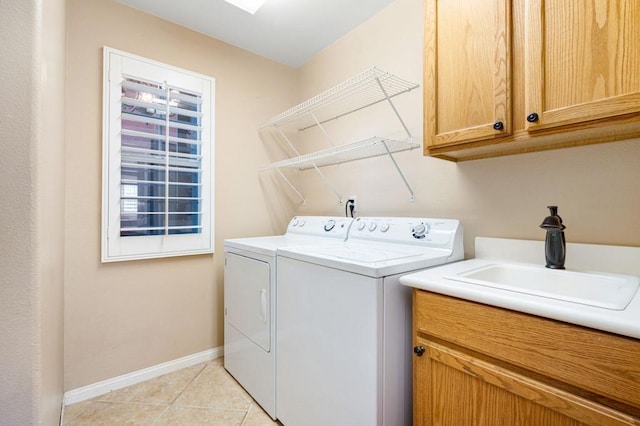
[{"x": 100, "y": 388}]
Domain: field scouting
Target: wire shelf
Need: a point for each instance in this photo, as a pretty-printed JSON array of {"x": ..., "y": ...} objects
[
  {"x": 356, "y": 93},
  {"x": 364, "y": 90},
  {"x": 367, "y": 148}
]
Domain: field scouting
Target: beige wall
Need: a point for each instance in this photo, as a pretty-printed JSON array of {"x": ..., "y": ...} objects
[
  {"x": 124, "y": 316},
  {"x": 32, "y": 190},
  {"x": 596, "y": 187}
]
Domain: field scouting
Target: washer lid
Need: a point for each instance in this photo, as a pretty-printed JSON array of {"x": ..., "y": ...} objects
[
  {"x": 365, "y": 254},
  {"x": 373, "y": 259}
]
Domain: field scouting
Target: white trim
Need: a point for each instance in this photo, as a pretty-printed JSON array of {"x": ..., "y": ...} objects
[{"x": 100, "y": 388}]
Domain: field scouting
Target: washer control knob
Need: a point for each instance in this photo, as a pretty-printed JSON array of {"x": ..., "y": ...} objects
[
  {"x": 420, "y": 231},
  {"x": 330, "y": 225},
  {"x": 301, "y": 223},
  {"x": 361, "y": 225},
  {"x": 372, "y": 226},
  {"x": 294, "y": 222},
  {"x": 384, "y": 227}
]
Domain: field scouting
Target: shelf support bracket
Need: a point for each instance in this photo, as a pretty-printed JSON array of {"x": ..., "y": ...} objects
[
  {"x": 293, "y": 148},
  {"x": 324, "y": 178},
  {"x": 393, "y": 107},
  {"x": 304, "y": 201},
  {"x": 326, "y": 135},
  {"x": 328, "y": 183},
  {"x": 412, "y": 197}
]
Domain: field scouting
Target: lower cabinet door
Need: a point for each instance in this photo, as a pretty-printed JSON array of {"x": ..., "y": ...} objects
[{"x": 456, "y": 388}]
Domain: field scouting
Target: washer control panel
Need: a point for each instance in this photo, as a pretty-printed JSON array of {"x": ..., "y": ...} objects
[{"x": 407, "y": 230}]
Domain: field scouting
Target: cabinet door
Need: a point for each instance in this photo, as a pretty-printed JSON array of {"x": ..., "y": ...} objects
[
  {"x": 467, "y": 79},
  {"x": 455, "y": 388},
  {"x": 581, "y": 61}
]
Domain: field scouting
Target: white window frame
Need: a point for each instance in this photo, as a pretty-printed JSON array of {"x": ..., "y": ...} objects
[{"x": 120, "y": 248}]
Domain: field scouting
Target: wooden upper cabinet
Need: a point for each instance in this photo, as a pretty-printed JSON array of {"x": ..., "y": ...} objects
[
  {"x": 467, "y": 78},
  {"x": 581, "y": 61},
  {"x": 552, "y": 73}
]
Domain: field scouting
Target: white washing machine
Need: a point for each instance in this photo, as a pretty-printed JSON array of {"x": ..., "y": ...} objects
[
  {"x": 344, "y": 322},
  {"x": 250, "y": 297}
]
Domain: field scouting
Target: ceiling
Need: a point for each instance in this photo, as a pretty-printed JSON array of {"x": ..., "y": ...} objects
[{"x": 287, "y": 31}]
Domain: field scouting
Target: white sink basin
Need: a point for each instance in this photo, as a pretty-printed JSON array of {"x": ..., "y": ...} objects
[{"x": 603, "y": 290}]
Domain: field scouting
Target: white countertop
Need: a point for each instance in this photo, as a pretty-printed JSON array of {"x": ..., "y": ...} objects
[{"x": 611, "y": 259}]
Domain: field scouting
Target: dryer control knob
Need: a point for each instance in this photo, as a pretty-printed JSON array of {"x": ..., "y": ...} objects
[
  {"x": 361, "y": 225},
  {"x": 301, "y": 223},
  {"x": 294, "y": 222},
  {"x": 384, "y": 227},
  {"x": 330, "y": 225},
  {"x": 372, "y": 226}
]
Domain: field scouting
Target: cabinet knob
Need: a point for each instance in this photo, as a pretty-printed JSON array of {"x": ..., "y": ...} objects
[
  {"x": 532, "y": 118},
  {"x": 418, "y": 350},
  {"x": 498, "y": 125}
]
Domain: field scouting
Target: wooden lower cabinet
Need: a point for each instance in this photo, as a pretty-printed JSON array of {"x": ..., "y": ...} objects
[{"x": 455, "y": 385}]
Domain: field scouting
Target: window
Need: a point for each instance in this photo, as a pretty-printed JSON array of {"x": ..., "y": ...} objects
[{"x": 157, "y": 171}]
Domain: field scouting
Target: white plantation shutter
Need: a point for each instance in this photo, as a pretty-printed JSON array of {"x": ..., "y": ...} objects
[{"x": 158, "y": 160}]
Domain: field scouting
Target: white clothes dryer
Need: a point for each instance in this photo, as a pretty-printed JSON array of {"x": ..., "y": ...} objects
[
  {"x": 344, "y": 322},
  {"x": 250, "y": 296}
]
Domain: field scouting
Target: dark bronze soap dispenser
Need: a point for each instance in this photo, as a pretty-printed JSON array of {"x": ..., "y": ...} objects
[{"x": 554, "y": 244}]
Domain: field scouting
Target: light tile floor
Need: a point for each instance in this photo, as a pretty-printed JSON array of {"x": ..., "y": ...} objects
[{"x": 204, "y": 394}]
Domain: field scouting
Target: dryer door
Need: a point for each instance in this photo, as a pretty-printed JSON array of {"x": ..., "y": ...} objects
[{"x": 247, "y": 287}]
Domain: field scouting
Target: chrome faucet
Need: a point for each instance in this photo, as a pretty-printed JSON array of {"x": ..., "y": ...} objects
[{"x": 554, "y": 244}]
